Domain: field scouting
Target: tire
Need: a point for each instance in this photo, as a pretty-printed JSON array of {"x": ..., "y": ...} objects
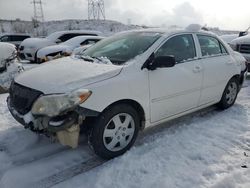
[
  {"x": 230, "y": 94},
  {"x": 114, "y": 131}
]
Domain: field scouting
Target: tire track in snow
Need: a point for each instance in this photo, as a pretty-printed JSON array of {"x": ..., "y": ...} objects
[{"x": 68, "y": 173}]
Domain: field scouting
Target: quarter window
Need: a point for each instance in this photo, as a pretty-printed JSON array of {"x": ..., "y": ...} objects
[
  {"x": 210, "y": 46},
  {"x": 181, "y": 47}
]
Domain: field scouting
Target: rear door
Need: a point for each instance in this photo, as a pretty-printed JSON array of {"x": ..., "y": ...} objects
[
  {"x": 218, "y": 68},
  {"x": 176, "y": 89}
]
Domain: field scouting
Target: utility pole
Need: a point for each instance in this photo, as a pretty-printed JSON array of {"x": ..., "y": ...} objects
[
  {"x": 38, "y": 15},
  {"x": 96, "y": 10}
]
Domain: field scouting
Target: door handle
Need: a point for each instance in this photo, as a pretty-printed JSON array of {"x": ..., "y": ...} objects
[{"x": 197, "y": 69}]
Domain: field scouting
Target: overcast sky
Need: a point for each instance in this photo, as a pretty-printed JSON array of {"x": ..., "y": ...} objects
[{"x": 225, "y": 14}]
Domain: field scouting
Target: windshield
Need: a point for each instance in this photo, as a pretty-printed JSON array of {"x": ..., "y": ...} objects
[{"x": 121, "y": 48}]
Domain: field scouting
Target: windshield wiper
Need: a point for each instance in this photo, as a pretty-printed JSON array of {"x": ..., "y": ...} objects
[
  {"x": 104, "y": 60},
  {"x": 86, "y": 58}
]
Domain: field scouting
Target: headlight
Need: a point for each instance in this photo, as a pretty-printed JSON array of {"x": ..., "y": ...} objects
[{"x": 53, "y": 105}]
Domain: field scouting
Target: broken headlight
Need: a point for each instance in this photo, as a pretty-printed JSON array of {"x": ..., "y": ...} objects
[{"x": 53, "y": 105}]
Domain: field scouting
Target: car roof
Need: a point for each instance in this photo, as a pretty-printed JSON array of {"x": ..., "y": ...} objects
[{"x": 168, "y": 32}]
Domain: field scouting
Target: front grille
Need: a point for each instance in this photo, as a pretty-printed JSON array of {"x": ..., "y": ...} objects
[
  {"x": 22, "y": 98},
  {"x": 244, "y": 48}
]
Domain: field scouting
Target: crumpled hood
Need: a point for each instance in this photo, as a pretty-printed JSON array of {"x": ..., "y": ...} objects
[
  {"x": 51, "y": 49},
  {"x": 36, "y": 43},
  {"x": 241, "y": 40},
  {"x": 66, "y": 74}
]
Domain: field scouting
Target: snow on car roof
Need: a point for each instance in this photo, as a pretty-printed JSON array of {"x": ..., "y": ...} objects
[
  {"x": 167, "y": 31},
  {"x": 79, "y": 39},
  {"x": 56, "y": 35}
]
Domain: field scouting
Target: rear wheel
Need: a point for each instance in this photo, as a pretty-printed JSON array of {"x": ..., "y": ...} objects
[
  {"x": 115, "y": 131},
  {"x": 230, "y": 94}
]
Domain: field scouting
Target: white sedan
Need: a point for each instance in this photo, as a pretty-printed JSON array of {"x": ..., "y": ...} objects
[
  {"x": 65, "y": 48},
  {"x": 125, "y": 83}
]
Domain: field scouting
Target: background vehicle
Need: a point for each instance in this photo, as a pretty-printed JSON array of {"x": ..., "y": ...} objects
[
  {"x": 9, "y": 67},
  {"x": 14, "y": 38},
  {"x": 29, "y": 47},
  {"x": 65, "y": 48},
  {"x": 125, "y": 83},
  {"x": 229, "y": 37},
  {"x": 242, "y": 45}
]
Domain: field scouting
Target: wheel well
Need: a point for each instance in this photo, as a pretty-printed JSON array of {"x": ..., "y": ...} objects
[
  {"x": 238, "y": 77},
  {"x": 136, "y": 106}
]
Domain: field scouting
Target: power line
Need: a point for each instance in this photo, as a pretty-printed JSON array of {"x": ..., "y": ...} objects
[
  {"x": 96, "y": 9},
  {"x": 38, "y": 10}
]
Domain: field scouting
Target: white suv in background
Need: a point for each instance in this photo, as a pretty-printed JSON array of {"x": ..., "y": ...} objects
[
  {"x": 125, "y": 83},
  {"x": 242, "y": 45},
  {"x": 29, "y": 47}
]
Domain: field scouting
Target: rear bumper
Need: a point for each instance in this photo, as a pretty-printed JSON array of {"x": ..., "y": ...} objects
[
  {"x": 243, "y": 76},
  {"x": 247, "y": 57}
]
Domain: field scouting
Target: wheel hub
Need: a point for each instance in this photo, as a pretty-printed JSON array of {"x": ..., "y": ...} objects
[{"x": 119, "y": 132}]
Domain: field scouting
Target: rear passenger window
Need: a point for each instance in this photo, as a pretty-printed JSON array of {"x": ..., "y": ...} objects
[
  {"x": 181, "y": 47},
  {"x": 210, "y": 46}
]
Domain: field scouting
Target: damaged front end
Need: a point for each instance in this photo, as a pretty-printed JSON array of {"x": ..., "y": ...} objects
[{"x": 54, "y": 115}]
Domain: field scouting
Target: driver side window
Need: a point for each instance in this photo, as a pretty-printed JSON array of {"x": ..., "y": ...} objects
[{"x": 181, "y": 47}]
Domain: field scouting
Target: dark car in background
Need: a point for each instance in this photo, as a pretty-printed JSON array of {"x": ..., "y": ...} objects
[{"x": 13, "y": 38}]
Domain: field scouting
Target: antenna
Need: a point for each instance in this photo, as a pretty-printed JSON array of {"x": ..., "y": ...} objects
[{"x": 96, "y": 9}]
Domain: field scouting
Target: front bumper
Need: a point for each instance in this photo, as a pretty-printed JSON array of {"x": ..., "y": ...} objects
[
  {"x": 45, "y": 124},
  {"x": 27, "y": 53}
]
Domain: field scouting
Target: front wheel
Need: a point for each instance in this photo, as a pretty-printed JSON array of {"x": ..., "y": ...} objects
[
  {"x": 230, "y": 94},
  {"x": 115, "y": 131}
]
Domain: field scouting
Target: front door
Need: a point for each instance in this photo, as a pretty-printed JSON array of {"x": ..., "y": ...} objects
[{"x": 176, "y": 89}]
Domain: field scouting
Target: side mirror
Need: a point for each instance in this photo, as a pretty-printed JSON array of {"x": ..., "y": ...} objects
[
  {"x": 153, "y": 62},
  {"x": 164, "y": 61}
]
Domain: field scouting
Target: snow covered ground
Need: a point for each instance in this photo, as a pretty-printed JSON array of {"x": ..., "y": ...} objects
[{"x": 209, "y": 148}]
